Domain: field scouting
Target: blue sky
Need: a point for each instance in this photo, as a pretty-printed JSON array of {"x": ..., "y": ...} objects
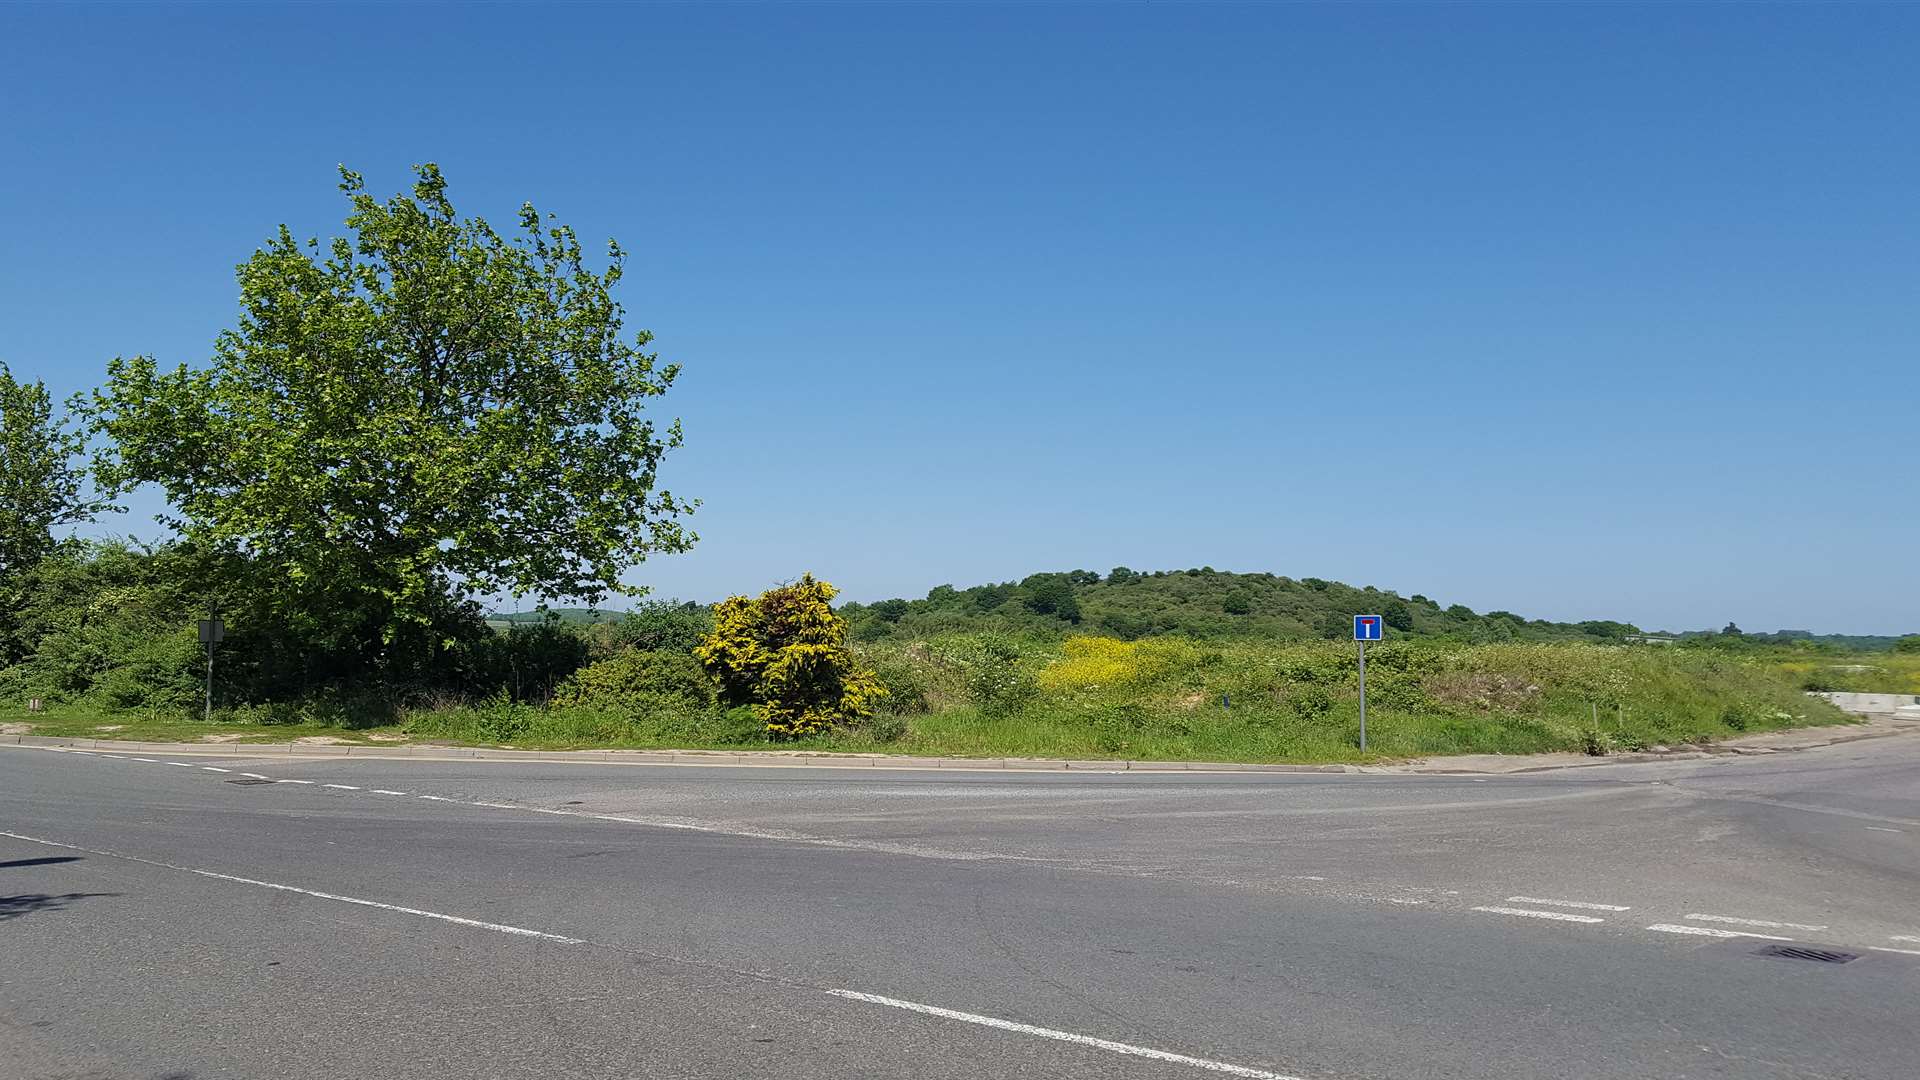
[{"x": 1582, "y": 312}]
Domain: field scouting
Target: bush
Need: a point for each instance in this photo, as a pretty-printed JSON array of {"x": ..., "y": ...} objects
[
  {"x": 786, "y": 654},
  {"x": 639, "y": 683},
  {"x": 993, "y": 671},
  {"x": 664, "y": 626}
]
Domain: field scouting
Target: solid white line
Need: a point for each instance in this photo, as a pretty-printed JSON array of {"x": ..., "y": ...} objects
[
  {"x": 215, "y": 768},
  {"x": 1064, "y": 1036},
  {"x": 1532, "y": 914},
  {"x": 1756, "y": 922},
  {"x": 256, "y": 776},
  {"x": 384, "y": 791},
  {"x": 293, "y": 781},
  {"x": 1883, "y": 948},
  {"x": 342, "y": 787},
  {"x": 497, "y": 927},
  {"x": 1566, "y": 903},
  {"x": 1903, "y": 937},
  {"x": 1708, "y": 931}
]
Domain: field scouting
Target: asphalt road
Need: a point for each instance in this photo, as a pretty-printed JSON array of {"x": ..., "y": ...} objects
[{"x": 179, "y": 918}]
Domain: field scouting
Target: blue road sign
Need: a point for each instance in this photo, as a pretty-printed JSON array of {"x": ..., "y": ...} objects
[{"x": 1366, "y": 628}]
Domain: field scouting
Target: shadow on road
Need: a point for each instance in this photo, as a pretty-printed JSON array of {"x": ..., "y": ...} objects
[
  {"x": 12, "y": 907},
  {"x": 48, "y": 861}
]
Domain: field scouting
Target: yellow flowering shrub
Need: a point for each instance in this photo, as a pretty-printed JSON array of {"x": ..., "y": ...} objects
[
  {"x": 1094, "y": 662},
  {"x": 786, "y": 654}
]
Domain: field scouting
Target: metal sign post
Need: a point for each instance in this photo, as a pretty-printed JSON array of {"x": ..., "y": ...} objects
[
  {"x": 212, "y": 631},
  {"x": 1365, "y": 628}
]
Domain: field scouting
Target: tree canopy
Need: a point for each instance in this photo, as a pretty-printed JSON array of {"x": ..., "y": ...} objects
[
  {"x": 425, "y": 411},
  {"x": 42, "y": 480}
]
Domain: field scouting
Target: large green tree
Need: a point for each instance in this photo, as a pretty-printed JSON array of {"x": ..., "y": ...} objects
[
  {"x": 427, "y": 411},
  {"x": 42, "y": 480}
]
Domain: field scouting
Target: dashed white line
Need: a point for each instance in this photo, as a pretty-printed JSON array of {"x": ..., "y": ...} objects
[
  {"x": 215, "y": 768},
  {"x": 184, "y": 764},
  {"x": 1566, "y": 903},
  {"x": 148, "y": 760},
  {"x": 1532, "y": 914},
  {"x": 293, "y": 781},
  {"x": 497, "y": 927},
  {"x": 1881, "y": 828},
  {"x": 1769, "y": 923},
  {"x": 1906, "y": 952},
  {"x": 1903, "y": 937},
  {"x": 384, "y": 791},
  {"x": 256, "y": 776},
  {"x": 1064, "y": 1036},
  {"x": 342, "y": 787},
  {"x": 1709, "y": 931},
  {"x": 435, "y": 798}
]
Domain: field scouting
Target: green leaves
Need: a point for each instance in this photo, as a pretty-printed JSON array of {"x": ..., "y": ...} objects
[
  {"x": 42, "y": 483},
  {"x": 427, "y": 409}
]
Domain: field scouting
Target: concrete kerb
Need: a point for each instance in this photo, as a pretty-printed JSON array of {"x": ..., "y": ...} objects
[
  {"x": 748, "y": 758},
  {"x": 805, "y": 759}
]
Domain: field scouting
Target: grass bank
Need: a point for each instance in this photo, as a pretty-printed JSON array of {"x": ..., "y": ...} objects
[{"x": 994, "y": 695}]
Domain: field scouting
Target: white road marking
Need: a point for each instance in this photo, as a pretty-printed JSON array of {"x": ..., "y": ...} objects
[
  {"x": 1064, "y": 1036},
  {"x": 1532, "y": 914},
  {"x": 184, "y": 764},
  {"x": 256, "y": 776},
  {"x": 1708, "y": 931},
  {"x": 342, "y": 787},
  {"x": 1756, "y": 922},
  {"x": 1881, "y": 828},
  {"x": 89, "y": 753},
  {"x": 1903, "y": 937},
  {"x": 215, "y": 768},
  {"x": 1883, "y": 948},
  {"x": 384, "y": 791},
  {"x": 1566, "y": 903},
  {"x": 293, "y": 781},
  {"x": 148, "y": 760},
  {"x": 497, "y": 927},
  {"x": 435, "y": 798}
]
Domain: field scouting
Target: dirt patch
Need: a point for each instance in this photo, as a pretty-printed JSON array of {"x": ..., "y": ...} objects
[
  {"x": 1480, "y": 690},
  {"x": 109, "y": 727},
  {"x": 1192, "y": 701},
  {"x": 386, "y": 737},
  {"x": 320, "y": 740},
  {"x": 222, "y": 738},
  {"x": 15, "y": 729}
]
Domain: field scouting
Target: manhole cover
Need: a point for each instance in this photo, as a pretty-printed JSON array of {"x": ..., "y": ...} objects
[
  {"x": 1802, "y": 952},
  {"x": 248, "y": 780}
]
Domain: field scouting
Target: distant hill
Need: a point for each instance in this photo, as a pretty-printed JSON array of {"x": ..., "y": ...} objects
[
  {"x": 498, "y": 619},
  {"x": 1201, "y": 602}
]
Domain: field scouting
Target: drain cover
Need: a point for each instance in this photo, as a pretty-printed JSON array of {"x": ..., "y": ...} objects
[
  {"x": 1802, "y": 952},
  {"x": 248, "y": 780}
]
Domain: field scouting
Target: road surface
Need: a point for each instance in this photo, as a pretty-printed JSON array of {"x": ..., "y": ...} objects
[{"x": 200, "y": 916}]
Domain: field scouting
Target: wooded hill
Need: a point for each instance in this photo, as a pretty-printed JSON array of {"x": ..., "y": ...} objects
[{"x": 1204, "y": 603}]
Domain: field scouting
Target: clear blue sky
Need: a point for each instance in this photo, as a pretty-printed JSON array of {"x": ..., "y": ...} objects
[{"x": 1575, "y": 311}]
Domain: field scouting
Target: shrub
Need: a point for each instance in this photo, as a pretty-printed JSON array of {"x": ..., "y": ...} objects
[
  {"x": 905, "y": 683},
  {"x": 786, "y": 654},
  {"x": 993, "y": 669},
  {"x": 638, "y": 683},
  {"x": 664, "y": 626}
]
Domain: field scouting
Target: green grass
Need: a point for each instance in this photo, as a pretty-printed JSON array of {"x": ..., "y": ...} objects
[
  {"x": 1866, "y": 673},
  {"x": 1158, "y": 699}
]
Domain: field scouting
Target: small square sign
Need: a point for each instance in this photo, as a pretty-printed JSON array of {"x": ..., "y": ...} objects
[{"x": 1367, "y": 628}]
